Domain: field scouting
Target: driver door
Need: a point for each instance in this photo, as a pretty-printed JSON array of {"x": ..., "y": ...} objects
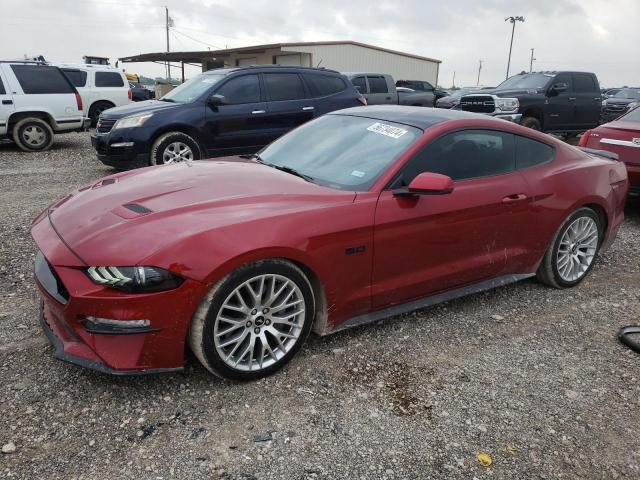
[
  {"x": 559, "y": 114},
  {"x": 426, "y": 244}
]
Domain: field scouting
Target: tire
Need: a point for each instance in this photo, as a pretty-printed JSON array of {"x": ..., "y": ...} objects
[
  {"x": 568, "y": 136},
  {"x": 553, "y": 268},
  {"x": 33, "y": 134},
  {"x": 168, "y": 149},
  {"x": 224, "y": 329},
  {"x": 532, "y": 123},
  {"x": 96, "y": 109}
]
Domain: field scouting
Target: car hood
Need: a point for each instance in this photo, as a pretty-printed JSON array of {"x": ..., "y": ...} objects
[
  {"x": 507, "y": 93},
  {"x": 124, "y": 218},
  {"x": 138, "y": 108}
]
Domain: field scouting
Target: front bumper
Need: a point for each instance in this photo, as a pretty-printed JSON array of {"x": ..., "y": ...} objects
[
  {"x": 120, "y": 151},
  {"x": 68, "y": 297}
]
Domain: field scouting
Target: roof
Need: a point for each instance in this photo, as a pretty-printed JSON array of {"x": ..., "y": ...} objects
[
  {"x": 197, "y": 56},
  {"x": 227, "y": 70},
  {"x": 419, "y": 117}
]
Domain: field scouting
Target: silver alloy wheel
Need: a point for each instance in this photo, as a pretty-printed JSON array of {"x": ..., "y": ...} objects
[
  {"x": 577, "y": 249},
  {"x": 259, "y": 322},
  {"x": 34, "y": 136},
  {"x": 176, "y": 152}
]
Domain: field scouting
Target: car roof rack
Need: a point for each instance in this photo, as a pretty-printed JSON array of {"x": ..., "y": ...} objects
[{"x": 22, "y": 60}]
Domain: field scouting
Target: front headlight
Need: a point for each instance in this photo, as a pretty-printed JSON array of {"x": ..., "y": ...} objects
[
  {"x": 507, "y": 104},
  {"x": 135, "y": 279},
  {"x": 133, "y": 121}
]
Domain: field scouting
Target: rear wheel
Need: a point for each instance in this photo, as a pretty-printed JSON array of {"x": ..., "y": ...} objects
[
  {"x": 33, "y": 134},
  {"x": 96, "y": 109},
  {"x": 254, "y": 320},
  {"x": 532, "y": 123},
  {"x": 573, "y": 251},
  {"x": 174, "y": 147}
]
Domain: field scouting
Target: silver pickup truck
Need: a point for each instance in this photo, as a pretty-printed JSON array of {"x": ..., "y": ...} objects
[{"x": 380, "y": 89}]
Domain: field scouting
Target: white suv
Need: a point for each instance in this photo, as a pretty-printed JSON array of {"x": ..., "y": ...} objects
[
  {"x": 101, "y": 87},
  {"x": 37, "y": 100}
]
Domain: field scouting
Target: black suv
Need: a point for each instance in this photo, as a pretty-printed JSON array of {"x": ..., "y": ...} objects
[
  {"x": 559, "y": 102},
  {"x": 225, "y": 111}
]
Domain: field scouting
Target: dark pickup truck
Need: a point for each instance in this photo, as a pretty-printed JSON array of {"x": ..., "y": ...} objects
[{"x": 564, "y": 103}]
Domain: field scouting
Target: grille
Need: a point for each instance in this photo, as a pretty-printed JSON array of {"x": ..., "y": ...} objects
[
  {"x": 50, "y": 280},
  {"x": 615, "y": 107},
  {"x": 105, "y": 125},
  {"x": 479, "y": 104}
]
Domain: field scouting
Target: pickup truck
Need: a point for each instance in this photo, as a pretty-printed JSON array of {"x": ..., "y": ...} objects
[
  {"x": 379, "y": 89},
  {"x": 565, "y": 103}
]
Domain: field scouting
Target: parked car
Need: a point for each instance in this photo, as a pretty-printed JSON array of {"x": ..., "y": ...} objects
[
  {"x": 610, "y": 92},
  {"x": 140, "y": 93},
  {"x": 618, "y": 104},
  {"x": 37, "y": 101},
  {"x": 422, "y": 86},
  {"x": 380, "y": 89},
  {"x": 621, "y": 137},
  {"x": 557, "y": 102},
  {"x": 220, "y": 112},
  {"x": 355, "y": 216},
  {"x": 101, "y": 87},
  {"x": 453, "y": 99}
]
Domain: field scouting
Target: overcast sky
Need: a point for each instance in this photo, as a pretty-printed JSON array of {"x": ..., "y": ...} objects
[{"x": 590, "y": 35}]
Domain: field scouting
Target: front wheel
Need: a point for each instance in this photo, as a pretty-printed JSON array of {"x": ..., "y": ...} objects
[
  {"x": 254, "y": 320},
  {"x": 174, "y": 147},
  {"x": 532, "y": 123},
  {"x": 33, "y": 134},
  {"x": 573, "y": 251}
]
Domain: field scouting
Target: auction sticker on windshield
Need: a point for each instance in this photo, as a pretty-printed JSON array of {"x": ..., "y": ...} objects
[{"x": 388, "y": 130}]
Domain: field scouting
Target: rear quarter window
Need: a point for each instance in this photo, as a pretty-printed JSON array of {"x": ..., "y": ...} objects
[
  {"x": 109, "y": 79},
  {"x": 41, "y": 79},
  {"x": 530, "y": 153},
  {"x": 323, "y": 85},
  {"x": 2, "y": 90}
]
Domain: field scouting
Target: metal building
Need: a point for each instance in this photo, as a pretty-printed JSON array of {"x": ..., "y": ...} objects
[{"x": 344, "y": 56}]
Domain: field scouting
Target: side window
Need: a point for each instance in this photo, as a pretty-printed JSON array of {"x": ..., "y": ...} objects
[
  {"x": 244, "y": 89},
  {"x": 564, "y": 78},
  {"x": 323, "y": 85},
  {"x": 109, "y": 79},
  {"x": 427, "y": 87},
  {"x": 378, "y": 85},
  {"x": 360, "y": 83},
  {"x": 464, "y": 155},
  {"x": 530, "y": 153},
  {"x": 41, "y": 79},
  {"x": 77, "y": 77},
  {"x": 284, "y": 86},
  {"x": 2, "y": 90},
  {"x": 583, "y": 83}
]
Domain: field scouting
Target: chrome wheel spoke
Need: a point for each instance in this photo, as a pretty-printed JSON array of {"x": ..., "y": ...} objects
[
  {"x": 577, "y": 249},
  {"x": 251, "y": 334}
]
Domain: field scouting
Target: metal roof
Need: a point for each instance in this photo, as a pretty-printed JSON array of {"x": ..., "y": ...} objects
[{"x": 198, "y": 56}]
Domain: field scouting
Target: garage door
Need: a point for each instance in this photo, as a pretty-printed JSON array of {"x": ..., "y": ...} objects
[
  {"x": 246, "y": 62},
  {"x": 289, "y": 60}
]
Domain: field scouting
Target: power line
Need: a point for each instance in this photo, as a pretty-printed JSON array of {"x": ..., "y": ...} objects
[{"x": 195, "y": 39}]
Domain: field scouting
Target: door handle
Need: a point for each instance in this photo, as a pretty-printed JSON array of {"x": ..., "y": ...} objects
[
  {"x": 597, "y": 98},
  {"x": 388, "y": 98},
  {"x": 571, "y": 99},
  {"x": 516, "y": 197},
  {"x": 307, "y": 108},
  {"x": 7, "y": 102},
  {"x": 258, "y": 112}
]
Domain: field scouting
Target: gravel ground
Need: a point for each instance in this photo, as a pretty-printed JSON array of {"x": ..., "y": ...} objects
[{"x": 532, "y": 376}]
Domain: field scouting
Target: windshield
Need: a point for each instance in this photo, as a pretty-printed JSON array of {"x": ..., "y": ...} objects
[
  {"x": 341, "y": 151},
  {"x": 192, "y": 89},
  {"x": 530, "y": 80},
  {"x": 629, "y": 94}
]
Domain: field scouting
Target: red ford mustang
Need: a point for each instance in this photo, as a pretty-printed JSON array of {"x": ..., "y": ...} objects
[
  {"x": 622, "y": 137},
  {"x": 358, "y": 215}
]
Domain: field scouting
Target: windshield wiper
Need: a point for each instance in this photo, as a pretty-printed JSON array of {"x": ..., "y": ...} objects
[
  {"x": 253, "y": 156},
  {"x": 167, "y": 100},
  {"x": 292, "y": 171}
]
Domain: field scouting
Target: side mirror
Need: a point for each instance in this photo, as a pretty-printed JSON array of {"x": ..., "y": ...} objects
[
  {"x": 216, "y": 100},
  {"x": 558, "y": 88},
  {"x": 427, "y": 184}
]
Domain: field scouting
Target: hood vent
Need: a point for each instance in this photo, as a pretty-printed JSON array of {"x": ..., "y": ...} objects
[{"x": 137, "y": 208}]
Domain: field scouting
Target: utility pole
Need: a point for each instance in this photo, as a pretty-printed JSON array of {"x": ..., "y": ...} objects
[
  {"x": 531, "y": 62},
  {"x": 166, "y": 11},
  {"x": 479, "y": 70},
  {"x": 454, "y": 80},
  {"x": 513, "y": 21}
]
